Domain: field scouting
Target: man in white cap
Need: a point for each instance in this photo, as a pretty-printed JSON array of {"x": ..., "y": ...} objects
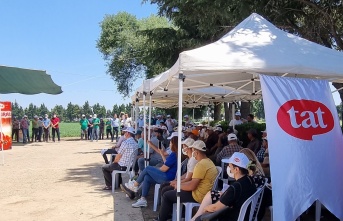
[
  {"x": 122, "y": 159},
  {"x": 140, "y": 122},
  {"x": 228, "y": 150},
  {"x": 171, "y": 123},
  {"x": 24, "y": 125},
  {"x": 46, "y": 127},
  {"x": 194, "y": 190},
  {"x": 84, "y": 127},
  {"x": 237, "y": 193},
  {"x": 237, "y": 120}
]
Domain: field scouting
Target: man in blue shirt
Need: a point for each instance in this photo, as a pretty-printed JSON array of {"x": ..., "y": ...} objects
[{"x": 46, "y": 127}]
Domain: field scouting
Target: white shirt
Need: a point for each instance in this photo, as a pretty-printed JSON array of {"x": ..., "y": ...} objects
[
  {"x": 114, "y": 122},
  {"x": 171, "y": 123},
  {"x": 140, "y": 122},
  {"x": 235, "y": 122}
]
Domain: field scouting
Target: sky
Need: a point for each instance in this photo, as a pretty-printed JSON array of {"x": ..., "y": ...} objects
[{"x": 60, "y": 37}]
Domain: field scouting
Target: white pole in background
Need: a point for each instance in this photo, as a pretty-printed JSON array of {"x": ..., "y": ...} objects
[
  {"x": 179, "y": 131},
  {"x": 233, "y": 115},
  {"x": 2, "y": 137},
  {"x": 144, "y": 134},
  {"x": 149, "y": 131}
]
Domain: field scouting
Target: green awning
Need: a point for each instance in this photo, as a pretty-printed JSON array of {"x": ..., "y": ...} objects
[{"x": 26, "y": 81}]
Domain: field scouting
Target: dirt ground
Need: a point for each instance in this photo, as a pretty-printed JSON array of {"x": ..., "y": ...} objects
[{"x": 54, "y": 181}]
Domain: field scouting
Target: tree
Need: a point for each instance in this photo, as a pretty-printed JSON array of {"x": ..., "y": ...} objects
[
  {"x": 86, "y": 109},
  {"x": 128, "y": 51},
  {"x": 115, "y": 110},
  {"x": 42, "y": 110},
  {"x": 258, "y": 109},
  {"x": 59, "y": 111},
  {"x": 17, "y": 110}
]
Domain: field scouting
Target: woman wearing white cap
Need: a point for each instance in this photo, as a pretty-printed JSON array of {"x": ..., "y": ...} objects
[{"x": 237, "y": 193}]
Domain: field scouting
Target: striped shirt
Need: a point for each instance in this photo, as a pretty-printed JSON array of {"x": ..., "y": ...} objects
[{"x": 227, "y": 152}]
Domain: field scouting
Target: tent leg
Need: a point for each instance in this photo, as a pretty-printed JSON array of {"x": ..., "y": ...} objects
[
  {"x": 179, "y": 131},
  {"x": 144, "y": 134},
  {"x": 1, "y": 140}
]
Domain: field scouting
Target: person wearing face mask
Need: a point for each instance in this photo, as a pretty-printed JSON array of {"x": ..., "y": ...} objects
[
  {"x": 203, "y": 177},
  {"x": 84, "y": 127},
  {"x": 46, "y": 127},
  {"x": 235, "y": 195},
  {"x": 140, "y": 122},
  {"x": 186, "y": 150},
  {"x": 95, "y": 131},
  {"x": 55, "y": 121}
]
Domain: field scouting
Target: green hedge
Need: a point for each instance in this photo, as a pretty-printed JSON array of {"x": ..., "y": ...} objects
[{"x": 243, "y": 128}]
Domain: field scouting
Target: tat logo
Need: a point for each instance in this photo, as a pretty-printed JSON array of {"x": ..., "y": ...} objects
[
  {"x": 305, "y": 118},
  {"x": 237, "y": 160}
]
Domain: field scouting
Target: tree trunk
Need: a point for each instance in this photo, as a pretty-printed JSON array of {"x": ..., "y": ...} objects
[
  {"x": 245, "y": 109},
  {"x": 217, "y": 109},
  {"x": 227, "y": 111}
]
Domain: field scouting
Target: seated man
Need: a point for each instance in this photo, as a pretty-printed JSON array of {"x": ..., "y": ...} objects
[
  {"x": 114, "y": 149},
  {"x": 237, "y": 193},
  {"x": 122, "y": 159},
  {"x": 194, "y": 190},
  {"x": 228, "y": 150}
]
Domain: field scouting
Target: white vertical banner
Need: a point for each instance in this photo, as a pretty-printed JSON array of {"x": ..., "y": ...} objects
[{"x": 305, "y": 145}]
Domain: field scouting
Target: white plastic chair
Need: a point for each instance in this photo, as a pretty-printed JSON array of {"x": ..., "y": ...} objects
[
  {"x": 115, "y": 176},
  {"x": 157, "y": 189},
  {"x": 254, "y": 201},
  {"x": 189, "y": 206}
]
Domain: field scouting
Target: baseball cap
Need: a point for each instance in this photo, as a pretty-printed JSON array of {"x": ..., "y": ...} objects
[
  {"x": 265, "y": 138},
  {"x": 199, "y": 145},
  {"x": 200, "y": 125},
  {"x": 164, "y": 128},
  {"x": 264, "y": 131},
  {"x": 239, "y": 159},
  {"x": 139, "y": 132},
  {"x": 25, "y": 115},
  {"x": 174, "y": 134},
  {"x": 186, "y": 116},
  {"x": 35, "y": 116},
  {"x": 238, "y": 114},
  {"x": 195, "y": 132},
  {"x": 188, "y": 142},
  {"x": 218, "y": 129},
  {"x": 94, "y": 115},
  {"x": 83, "y": 115},
  {"x": 168, "y": 115},
  {"x": 129, "y": 129},
  {"x": 231, "y": 137}
]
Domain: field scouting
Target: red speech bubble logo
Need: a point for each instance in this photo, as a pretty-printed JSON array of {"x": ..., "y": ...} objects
[{"x": 305, "y": 118}]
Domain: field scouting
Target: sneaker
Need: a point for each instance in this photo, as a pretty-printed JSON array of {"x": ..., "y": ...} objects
[
  {"x": 134, "y": 178},
  {"x": 140, "y": 203},
  {"x": 131, "y": 185}
]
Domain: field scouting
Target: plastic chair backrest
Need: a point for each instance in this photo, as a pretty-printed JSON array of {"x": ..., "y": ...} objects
[
  {"x": 133, "y": 157},
  {"x": 254, "y": 201},
  {"x": 215, "y": 184}
]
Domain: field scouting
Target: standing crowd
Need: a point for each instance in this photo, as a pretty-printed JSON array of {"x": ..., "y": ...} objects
[{"x": 40, "y": 129}]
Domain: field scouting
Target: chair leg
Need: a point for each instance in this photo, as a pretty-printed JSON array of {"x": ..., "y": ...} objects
[
  {"x": 188, "y": 212},
  {"x": 156, "y": 196}
]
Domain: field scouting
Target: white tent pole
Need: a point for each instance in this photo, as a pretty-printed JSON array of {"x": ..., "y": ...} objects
[
  {"x": 179, "y": 131},
  {"x": 193, "y": 114},
  {"x": 2, "y": 138},
  {"x": 149, "y": 132},
  {"x": 233, "y": 115},
  {"x": 144, "y": 134}
]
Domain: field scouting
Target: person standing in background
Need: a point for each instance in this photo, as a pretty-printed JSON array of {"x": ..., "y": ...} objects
[
  {"x": 25, "y": 128},
  {"x": 46, "y": 127},
  {"x": 55, "y": 121},
  {"x": 15, "y": 128},
  {"x": 108, "y": 128},
  {"x": 115, "y": 126},
  {"x": 95, "y": 131},
  {"x": 84, "y": 127},
  {"x": 90, "y": 127},
  {"x": 102, "y": 128},
  {"x": 35, "y": 129},
  {"x": 40, "y": 129}
]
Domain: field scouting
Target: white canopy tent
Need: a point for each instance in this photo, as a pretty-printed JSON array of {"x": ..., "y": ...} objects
[{"x": 235, "y": 61}]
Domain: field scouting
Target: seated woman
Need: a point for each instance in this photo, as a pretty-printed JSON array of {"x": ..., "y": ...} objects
[
  {"x": 152, "y": 175},
  {"x": 255, "y": 171},
  {"x": 186, "y": 150}
]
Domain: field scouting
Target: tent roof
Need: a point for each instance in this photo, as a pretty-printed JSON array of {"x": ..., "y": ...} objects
[
  {"x": 235, "y": 61},
  {"x": 26, "y": 81}
]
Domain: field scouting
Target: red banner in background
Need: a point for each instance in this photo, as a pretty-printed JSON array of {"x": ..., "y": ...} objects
[{"x": 6, "y": 130}]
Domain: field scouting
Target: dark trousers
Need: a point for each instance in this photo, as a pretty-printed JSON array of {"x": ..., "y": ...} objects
[
  {"x": 101, "y": 134},
  {"x": 164, "y": 188},
  {"x": 16, "y": 133},
  {"x": 169, "y": 198},
  {"x": 115, "y": 131},
  {"x": 34, "y": 136},
  {"x": 109, "y": 151},
  {"x": 90, "y": 133},
  {"x": 46, "y": 134},
  {"x": 109, "y": 131},
  {"x": 57, "y": 131},
  {"x": 40, "y": 132},
  {"x": 107, "y": 171}
]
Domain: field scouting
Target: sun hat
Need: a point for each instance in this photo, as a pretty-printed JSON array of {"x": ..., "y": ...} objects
[
  {"x": 130, "y": 130},
  {"x": 199, "y": 145},
  {"x": 174, "y": 134},
  {"x": 188, "y": 142},
  {"x": 239, "y": 159},
  {"x": 231, "y": 137}
]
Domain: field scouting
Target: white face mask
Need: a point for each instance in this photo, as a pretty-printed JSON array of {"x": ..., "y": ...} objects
[
  {"x": 229, "y": 172},
  {"x": 193, "y": 155},
  {"x": 184, "y": 152}
]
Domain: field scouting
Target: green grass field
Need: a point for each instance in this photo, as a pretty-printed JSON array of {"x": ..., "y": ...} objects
[{"x": 70, "y": 129}]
